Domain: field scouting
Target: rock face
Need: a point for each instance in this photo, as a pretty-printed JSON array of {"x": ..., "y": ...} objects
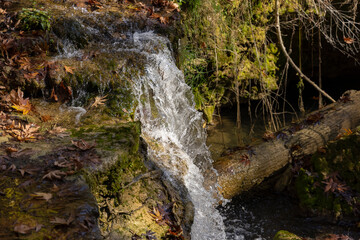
[
  {"x": 85, "y": 182},
  {"x": 72, "y": 166},
  {"x": 243, "y": 169}
]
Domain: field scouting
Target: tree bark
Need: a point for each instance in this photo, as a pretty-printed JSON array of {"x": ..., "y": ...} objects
[{"x": 237, "y": 174}]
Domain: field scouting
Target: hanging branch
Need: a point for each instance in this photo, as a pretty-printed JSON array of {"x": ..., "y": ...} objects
[
  {"x": 278, "y": 31},
  {"x": 339, "y": 27}
]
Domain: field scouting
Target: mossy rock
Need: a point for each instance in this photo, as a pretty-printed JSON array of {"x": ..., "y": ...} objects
[
  {"x": 71, "y": 29},
  {"x": 331, "y": 184},
  {"x": 285, "y": 235}
]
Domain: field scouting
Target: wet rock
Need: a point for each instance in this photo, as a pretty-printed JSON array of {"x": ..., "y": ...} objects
[{"x": 71, "y": 29}]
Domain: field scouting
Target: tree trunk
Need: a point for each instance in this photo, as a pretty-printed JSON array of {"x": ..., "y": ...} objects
[{"x": 243, "y": 169}]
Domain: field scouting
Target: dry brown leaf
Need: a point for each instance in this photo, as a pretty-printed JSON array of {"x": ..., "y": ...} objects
[
  {"x": 23, "y": 228},
  {"x": 38, "y": 227},
  {"x": 59, "y": 131},
  {"x": 12, "y": 167},
  {"x": 24, "y": 133},
  {"x": 164, "y": 20},
  {"x": 54, "y": 174},
  {"x": 25, "y": 63},
  {"x": 17, "y": 98},
  {"x": 62, "y": 221},
  {"x": 28, "y": 171},
  {"x": 25, "y": 109},
  {"x": 41, "y": 195},
  {"x": 155, "y": 15},
  {"x": 29, "y": 76},
  {"x": 174, "y": 6},
  {"x": 81, "y": 144},
  {"x": 69, "y": 69},
  {"x": 45, "y": 118},
  {"x": 99, "y": 101},
  {"x": 10, "y": 150},
  {"x": 64, "y": 164}
]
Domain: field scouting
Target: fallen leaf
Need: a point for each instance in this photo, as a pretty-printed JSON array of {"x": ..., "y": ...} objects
[
  {"x": 155, "y": 15},
  {"x": 12, "y": 167},
  {"x": 57, "y": 130},
  {"x": 25, "y": 109},
  {"x": 28, "y": 171},
  {"x": 164, "y": 20},
  {"x": 24, "y": 133},
  {"x": 22, "y": 228},
  {"x": 62, "y": 221},
  {"x": 30, "y": 76},
  {"x": 24, "y": 63},
  {"x": 10, "y": 150},
  {"x": 69, "y": 69},
  {"x": 41, "y": 195},
  {"x": 99, "y": 101},
  {"x": 81, "y": 144},
  {"x": 38, "y": 227},
  {"x": 173, "y": 6},
  {"x": 45, "y": 118},
  {"x": 54, "y": 174},
  {"x": 63, "y": 164}
]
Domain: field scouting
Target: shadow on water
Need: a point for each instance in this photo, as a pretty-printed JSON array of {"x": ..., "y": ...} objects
[
  {"x": 261, "y": 213},
  {"x": 227, "y": 136}
]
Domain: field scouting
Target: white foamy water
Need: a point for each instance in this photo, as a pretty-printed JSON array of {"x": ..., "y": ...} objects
[{"x": 173, "y": 130}]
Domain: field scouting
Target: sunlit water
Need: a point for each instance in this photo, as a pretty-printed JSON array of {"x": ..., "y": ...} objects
[{"x": 173, "y": 130}]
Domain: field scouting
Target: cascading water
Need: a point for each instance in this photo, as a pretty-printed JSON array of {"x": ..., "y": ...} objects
[
  {"x": 173, "y": 129},
  {"x": 170, "y": 124}
]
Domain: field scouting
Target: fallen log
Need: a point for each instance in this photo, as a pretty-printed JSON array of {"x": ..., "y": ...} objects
[{"x": 243, "y": 169}]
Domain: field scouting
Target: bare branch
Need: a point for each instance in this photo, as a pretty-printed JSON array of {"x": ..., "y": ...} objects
[{"x": 282, "y": 46}]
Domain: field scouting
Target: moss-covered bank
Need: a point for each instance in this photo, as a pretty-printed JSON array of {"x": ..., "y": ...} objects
[{"x": 330, "y": 185}]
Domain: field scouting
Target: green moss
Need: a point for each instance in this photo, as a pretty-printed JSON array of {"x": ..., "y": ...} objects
[
  {"x": 285, "y": 235},
  {"x": 339, "y": 163},
  {"x": 209, "y": 111},
  {"x": 125, "y": 136},
  {"x": 122, "y": 140}
]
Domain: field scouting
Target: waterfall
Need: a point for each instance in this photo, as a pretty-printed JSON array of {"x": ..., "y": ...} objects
[
  {"x": 171, "y": 126},
  {"x": 173, "y": 130}
]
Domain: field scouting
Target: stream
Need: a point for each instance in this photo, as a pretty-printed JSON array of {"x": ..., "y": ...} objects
[{"x": 176, "y": 140}]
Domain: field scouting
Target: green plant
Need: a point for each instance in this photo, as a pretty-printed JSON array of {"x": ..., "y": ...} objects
[{"x": 34, "y": 19}]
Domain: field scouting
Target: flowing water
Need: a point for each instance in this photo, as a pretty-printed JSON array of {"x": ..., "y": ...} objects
[{"x": 170, "y": 122}]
